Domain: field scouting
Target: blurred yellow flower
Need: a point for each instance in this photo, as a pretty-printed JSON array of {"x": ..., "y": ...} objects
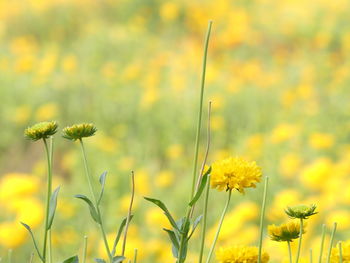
[
  {"x": 169, "y": 11},
  {"x": 283, "y": 132},
  {"x": 69, "y": 63},
  {"x": 174, "y": 151},
  {"x": 316, "y": 174},
  {"x": 345, "y": 253},
  {"x": 164, "y": 179},
  {"x": 12, "y": 234},
  {"x": 340, "y": 216},
  {"x": 46, "y": 112},
  {"x": 239, "y": 254},
  {"x": 290, "y": 165},
  {"x": 17, "y": 185},
  {"x": 234, "y": 173},
  {"x": 22, "y": 114},
  {"x": 321, "y": 141},
  {"x": 156, "y": 218}
]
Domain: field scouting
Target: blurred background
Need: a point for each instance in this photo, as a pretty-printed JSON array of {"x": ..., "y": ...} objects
[{"x": 278, "y": 76}]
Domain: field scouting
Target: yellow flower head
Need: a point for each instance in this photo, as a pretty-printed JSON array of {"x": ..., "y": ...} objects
[
  {"x": 41, "y": 130},
  {"x": 301, "y": 211},
  {"x": 239, "y": 254},
  {"x": 285, "y": 232},
  {"x": 345, "y": 253},
  {"x": 234, "y": 173},
  {"x": 78, "y": 131}
]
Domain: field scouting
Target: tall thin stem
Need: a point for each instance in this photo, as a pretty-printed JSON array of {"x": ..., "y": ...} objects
[
  {"x": 310, "y": 255},
  {"x": 89, "y": 179},
  {"x": 322, "y": 243},
  {"x": 49, "y": 246},
  {"x": 300, "y": 239},
  {"x": 331, "y": 243},
  {"x": 290, "y": 252},
  {"x": 49, "y": 153},
  {"x": 31, "y": 258},
  {"x": 10, "y": 255},
  {"x": 340, "y": 252},
  {"x": 200, "y": 110},
  {"x": 204, "y": 226},
  {"x": 219, "y": 227},
  {"x": 135, "y": 255},
  {"x": 262, "y": 218},
  {"x": 129, "y": 212},
  {"x": 85, "y": 249}
]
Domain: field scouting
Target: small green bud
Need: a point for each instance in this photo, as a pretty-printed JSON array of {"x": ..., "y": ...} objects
[
  {"x": 301, "y": 211},
  {"x": 41, "y": 130},
  {"x": 78, "y": 131}
]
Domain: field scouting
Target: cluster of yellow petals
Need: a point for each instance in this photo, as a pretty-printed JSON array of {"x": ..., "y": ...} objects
[
  {"x": 234, "y": 173},
  {"x": 285, "y": 232},
  {"x": 239, "y": 254},
  {"x": 345, "y": 253}
]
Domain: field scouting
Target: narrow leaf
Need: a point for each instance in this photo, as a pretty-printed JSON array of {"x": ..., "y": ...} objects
[
  {"x": 195, "y": 224},
  {"x": 92, "y": 208},
  {"x": 120, "y": 231},
  {"x": 162, "y": 206},
  {"x": 118, "y": 259},
  {"x": 74, "y": 259},
  {"x": 201, "y": 187},
  {"x": 100, "y": 260},
  {"x": 103, "y": 183},
  {"x": 35, "y": 244},
  {"x": 53, "y": 205},
  {"x": 174, "y": 241}
]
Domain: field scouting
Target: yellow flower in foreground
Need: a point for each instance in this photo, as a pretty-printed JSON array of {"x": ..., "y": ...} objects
[
  {"x": 345, "y": 253},
  {"x": 239, "y": 254},
  {"x": 234, "y": 173},
  {"x": 285, "y": 232}
]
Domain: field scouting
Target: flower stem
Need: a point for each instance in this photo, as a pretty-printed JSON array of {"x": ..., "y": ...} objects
[
  {"x": 331, "y": 243},
  {"x": 49, "y": 247},
  {"x": 322, "y": 242},
  {"x": 340, "y": 252},
  {"x": 310, "y": 255},
  {"x": 85, "y": 249},
  {"x": 31, "y": 258},
  {"x": 89, "y": 179},
  {"x": 262, "y": 218},
  {"x": 219, "y": 227},
  {"x": 10, "y": 255},
  {"x": 135, "y": 255},
  {"x": 204, "y": 227},
  {"x": 300, "y": 239},
  {"x": 129, "y": 212},
  {"x": 200, "y": 111},
  {"x": 289, "y": 252},
  {"x": 49, "y": 154}
]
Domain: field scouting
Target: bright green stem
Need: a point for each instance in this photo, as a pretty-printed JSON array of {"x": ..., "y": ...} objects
[
  {"x": 49, "y": 155},
  {"x": 85, "y": 249},
  {"x": 135, "y": 255},
  {"x": 300, "y": 239},
  {"x": 331, "y": 243},
  {"x": 200, "y": 111},
  {"x": 289, "y": 252},
  {"x": 204, "y": 227},
  {"x": 262, "y": 218},
  {"x": 49, "y": 246},
  {"x": 322, "y": 243},
  {"x": 219, "y": 227},
  {"x": 89, "y": 179},
  {"x": 340, "y": 252},
  {"x": 310, "y": 255},
  {"x": 10, "y": 255}
]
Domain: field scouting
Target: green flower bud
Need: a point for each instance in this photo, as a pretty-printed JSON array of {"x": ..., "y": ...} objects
[
  {"x": 42, "y": 130},
  {"x": 301, "y": 211},
  {"x": 78, "y": 131}
]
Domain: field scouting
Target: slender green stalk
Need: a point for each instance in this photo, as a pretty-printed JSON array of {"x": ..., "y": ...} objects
[
  {"x": 340, "y": 252},
  {"x": 31, "y": 258},
  {"x": 135, "y": 255},
  {"x": 310, "y": 255},
  {"x": 200, "y": 111},
  {"x": 49, "y": 153},
  {"x": 49, "y": 246},
  {"x": 262, "y": 218},
  {"x": 290, "y": 252},
  {"x": 10, "y": 255},
  {"x": 204, "y": 226},
  {"x": 300, "y": 239},
  {"x": 89, "y": 179},
  {"x": 331, "y": 243},
  {"x": 85, "y": 249},
  {"x": 219, "y": 227},
  {"x": 129, "y": 212},
  {"x": 322, "y": 243}
]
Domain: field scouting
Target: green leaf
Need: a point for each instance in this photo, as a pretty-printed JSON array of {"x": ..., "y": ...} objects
[
  {"x": 74, "y": 259},
  {"x": 92, "y": 208},
  {"x": 120, "y": 231},
  {"x": 195, "y": 224},
  {"x": 162, "y": 206},
  {"x": 53, "y": 205},
  {"x": 103, "y": 183},
  {"x": 100, "y": 260},
  {"x": 118, "y": 259},
  {"x": 35, "y": 244},
  {"x": 174, "y": 241},
  {"x": 201, "y": 187}
]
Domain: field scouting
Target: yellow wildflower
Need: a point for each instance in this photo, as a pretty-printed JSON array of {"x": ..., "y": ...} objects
[
  {"x": 78, "y": 131},
  {"x": 238, "y": 254},
  {"x": 285, "y": 232},
  {"x": 234, "y": 173},
  {"x": 345, "y": 253},
  {"x": 42, "y": 130}
]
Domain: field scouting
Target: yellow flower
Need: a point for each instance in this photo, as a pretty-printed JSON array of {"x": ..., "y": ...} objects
[
  {"x": 345, "y": 253},
  {"x": 78, "y": 131},
  {"x": 41, "y": 130},
  {"x": 285, "y": 232},
  {"x": 321, "y": 141},
  {"x": 239, "y": 254},
  {"x": 12, "y": 234},
  {"x": 234, "y": 173}
]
